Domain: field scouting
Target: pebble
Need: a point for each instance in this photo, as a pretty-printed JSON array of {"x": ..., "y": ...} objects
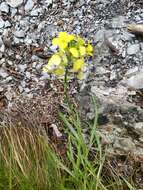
[
  {"x": 2, "y": 23},
  {"x": 135, "y": 81},
  {"x": 133, "y": 49},
  {"x": 1, "y": 89},
  {"x": 29, "y": 5},
  {"x": 7, "y": 24},
  {"x": 139, "y": 128},
  {"x": 3, "y": 73},
  {"x": 14, "y": 3},
  {"x": 4, "y": 7},
  {"x": 19, "y": 34},
  {"x": 22, "y": 68}
]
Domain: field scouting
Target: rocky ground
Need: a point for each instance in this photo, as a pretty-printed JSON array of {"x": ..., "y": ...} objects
[{"x": 26, "y": 30}]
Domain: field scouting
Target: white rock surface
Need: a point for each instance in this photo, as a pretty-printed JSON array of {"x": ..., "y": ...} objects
[
  {"x": 136, "y": 81},
  {"x": 14, "y": 3},
  {"x": 29, "y": 5},
  {"x": 4, "y": 7}
]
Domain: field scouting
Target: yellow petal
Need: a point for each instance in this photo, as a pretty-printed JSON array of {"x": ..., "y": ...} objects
[
  {"x": 78, "y": 65},
  {"x": 80, "y": 75},
  {"x": 74, "y": 52},
  {"x": 54, "y": 60},
  {"x": 59, "y": 72},
  {"x": 89, "y": 49},
  {"x": 63, "y": 45},
  {"x": 82, "y": 50},
  {"x": 55, "y": 41},
  {"x": 70, "y": 38},
  {"x": 80, "y": 41},
  {"x": 63, "y": 35}
]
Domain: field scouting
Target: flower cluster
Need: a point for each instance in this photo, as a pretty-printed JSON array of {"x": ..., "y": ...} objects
[{"x": 70, "y": 56}]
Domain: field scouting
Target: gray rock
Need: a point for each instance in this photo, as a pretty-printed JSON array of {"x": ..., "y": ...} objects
[
  {"x": 29, "y": 5},
  {"x": 2, "y": 23},
  {"x": 1, "y": 89},
  {"x": 132, "y": 71},
  {"x": 139, "y": 128},
  {"x": 136, "y": 81},
  {"x": 133, "y": 49},
  {"x": 118, "y": 22},
  {"x": 4, "y": 7},
  {"x": 7, "y": 24},
  {"x": 14, "y": 3},
  {"x": 125, "y": 144},
  {"x": 34, "y": 13},
  {"x": 3, "y": 73},
  {"x": 21, "y": 67},
  {"x": 19, "y": 34},
  {"x": 48, "y": 2}
]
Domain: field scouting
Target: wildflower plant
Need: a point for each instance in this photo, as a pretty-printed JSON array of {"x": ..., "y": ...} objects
[{"x": 69, "y": 59}]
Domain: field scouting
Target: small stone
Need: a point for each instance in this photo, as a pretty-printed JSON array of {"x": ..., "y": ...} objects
[
  {"x": 118, "y": 22},
  {"x": 136, "y": 81},
  {"x": 14, "y": 3},
  {"x": 4, "y": 7},
  {"x": 49, "y": 2},
  {"x": 139, "y": 128},
  {"x": 1, "y": 89},
  {"x": 19, "y": 34},
  {"x": 7, "y": 24},
  {"x": 20, "y": 89},
  {"x": 2, "y": 23},
  {"x": 29, "y": 5},
  {"x": 34, "y": 13},
  {"x": 3, "y": 73},
  {"x": 13, "y": 11},
  {"x": 132, "y": 71},
  {"x": 53, "y": 48},
  {"x": 22, "y": 68},
  {"x": 133, "y": 49}
]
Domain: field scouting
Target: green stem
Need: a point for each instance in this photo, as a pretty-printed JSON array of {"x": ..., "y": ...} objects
[{"x": 66, "y": 86}]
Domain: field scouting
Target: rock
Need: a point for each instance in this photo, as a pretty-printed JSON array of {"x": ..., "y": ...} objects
[
  {"x": 3, "y": 73},
  {"x": 132, "y": 71},
  {"x": 1, "y": 89},
  {"x": 19, "y": 34},
  {"x": 14, "y": 3},
  {"x": 7, "y": 24},
  {"x": 22, "y": 68},
  {"x": 2, "y": 23},
  {"x": 34, "y": 13},
  {"x": 4, "y": 7},
  {"x": 118, "y": 22},
  {"x": 136, "y": 81},
  {"x": 48, "y": 2},
  {"x": 139, "y": 128},
  {"x": 29, "y": 5},
  {"x": 133, "y": 49},
  {"x": 125, "y": 144}
]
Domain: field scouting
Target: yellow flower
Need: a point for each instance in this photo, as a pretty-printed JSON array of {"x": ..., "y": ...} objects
[
  {"x": 53, "y": 63},
  {"x": 63, "y": 40},
  {"x": 61, "y": 43},
  {"x": 54, "y": 60},
  {"x": 80, "y": 41},
  {"x": 82, "y": 50},
  {"x": 89, "y": 49},
  {"x": 78, "y": 65},
  {"x": 59, "y": 71},
  {"x": 66, "y": 37},
  {"x": 74, "y": 52},
  {"x": 80, "y": 75}
]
